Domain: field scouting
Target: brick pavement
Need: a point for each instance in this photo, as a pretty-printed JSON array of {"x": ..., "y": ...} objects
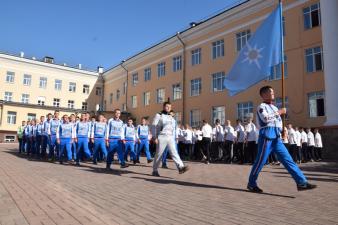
[{"x": 33, "y": 192}]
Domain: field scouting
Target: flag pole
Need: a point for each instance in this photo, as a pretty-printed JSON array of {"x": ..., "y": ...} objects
[{"x": 282, "y": 63}]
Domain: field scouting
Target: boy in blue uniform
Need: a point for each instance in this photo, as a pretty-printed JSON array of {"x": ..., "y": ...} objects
[
  {"x": 82, "y": 138},
  {"x": 72, "y": 120},
  {"x": 31, "y": 137},
  {"x": 65, "y": 135},
  {"x": 53, "y": 145},
  {"x": 142, "y": 135},
  {"x": 129, "y": 140},
  {"x": 115, "y": 137},
  {"x": 269, "y": 141},
  {"x": 98, "y": 138},
  {"x": 39, "y": 135}
]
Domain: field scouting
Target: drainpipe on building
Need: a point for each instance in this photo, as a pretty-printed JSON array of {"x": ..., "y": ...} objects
[
  {"x": 100, "y": 71},
  {"x": 183, "y": 77},
  {"x": 1, "y": 109},
  {"x": 126, "y": 85}
]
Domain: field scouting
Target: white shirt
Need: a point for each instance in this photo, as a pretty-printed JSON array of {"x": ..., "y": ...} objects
[
  {"x": 250, "y": 130},
  {"x": 240, "y": 133},
  {"x": 298, "y": 136},
  {"x": 230, "y": 133},
  {"x": 206, "y": 131},
  {"x": 199, "y": 135},
  {"x": 311, "y": 139},
  {"x": 303, "y": 137},
  {"x": 218, "y": 133},
  {"x": 187, "y": 136},
  {"x": 318, "y": 140},
  {"x": 292, "y": 136}
]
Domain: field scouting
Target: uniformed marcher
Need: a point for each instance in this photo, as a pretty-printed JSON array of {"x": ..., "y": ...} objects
[
  {"x": 98, "y": 138},
  {"x": 65, "y": 135},
  {"x": 142, "y": 134},
  {"x": 129, "y": 140}
]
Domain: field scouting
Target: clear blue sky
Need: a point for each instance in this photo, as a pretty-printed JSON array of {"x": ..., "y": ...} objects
[{"x": 96, "y": 32}]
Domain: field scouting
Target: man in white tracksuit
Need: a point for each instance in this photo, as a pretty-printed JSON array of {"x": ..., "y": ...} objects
[{"x": 163, "y": 132}]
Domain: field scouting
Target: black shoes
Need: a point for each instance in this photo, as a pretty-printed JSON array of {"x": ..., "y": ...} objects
[
  {"x": 124, "y": 166},
  {"x": 304, "y": 187},
  {"x": 254, "y": 189},
  {"x": 164, "y": 166},
  {"x": 183, "y": 169},
  {"x": 155, "y": 174},
  {"x": 149, "y": 160}
]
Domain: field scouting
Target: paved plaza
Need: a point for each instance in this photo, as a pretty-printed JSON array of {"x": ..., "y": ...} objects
[{"x": 34, "y": 192}]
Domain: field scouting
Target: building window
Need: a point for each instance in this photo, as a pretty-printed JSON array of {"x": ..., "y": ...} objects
[
  {"x": 160, "y": 95},
  {"x": 178, "y": 117},
  {"x": 311, "y": 16},
  {"x": 31, "y": 116},
  {"x": 124, "y": 88},
  {"x": 56, "y": 102},
  {"x": 316, "y": 104},
  {"x": 98, "y": 91},
  {"x": 124, "y": 107},
  {"x": 72, "y": 87},
  {"x": 217, "y": 81},
  {"x": 10, "y": 77},
  {"x": 161, "y": 69},
  {"x": 9, "y": 138},
  {"x": 135, "y": 79},
  {"x": 196, "y": 57},
  {"x": 147, "y": 74},
  {"x": 134, "y": 101},
  {"x": 218, "y": 112},
  {"x": 279, "y": 105},
  {"x": 195, "y": 87},
  {"x": 242, "y": 38},
  {"x": 25, "y": 98},
  {"x": 85, "y": 89},
  {"x": 11, "y": 117},
  {"x": 276, "y": 71},
  {"x": 314, "y": 59},
  {"x": 58, "y": 85},
  {"x": 111, "y": 95},
  {"x": 70, "y": 104},
  {"x": 41, "y": 100},
  {"x": 27, "y": 79},
  {"x": 244, "y": 110},
  {"x": 195, "y": 118},
  {"x": 43, "y": 82},
  {"x": 177, "y": 63},
  {"x": 177, "y": 91},
  {"x": 117, "y": 94},
  {"x": 8, "y": 96},
  {"x": 146, "y": 98},
  {"x": 84, "y": 106},
  {"x": 218, "y": 49}
]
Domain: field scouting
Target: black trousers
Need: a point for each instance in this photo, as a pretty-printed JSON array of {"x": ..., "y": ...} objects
[
  {"x": 206, "y": 147},
  {"x": 304, "y": 152},
  {"x": 310, "y": 152},
  {"x": 239, "y": 152},
  {"x": 229, "y": 151},
  {"x": 250, "y": 152},
  {"x": 293, "y": 151}
]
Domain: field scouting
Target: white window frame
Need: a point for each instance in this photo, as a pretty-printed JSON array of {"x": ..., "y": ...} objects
[
  {"x": 159, "y": 98},
  {"x": 43, "y": 82},
  {"x": 72, "y": 87},
  {"x": 11, "y": 117},
  {"x": 196, "y": 57},
  {"x": 58, "y": 85},
  {"x": 217, "y": 49},
  {"x": 25, "y": 98},
  {"x": 27, "y": 79},
  {"x": 8, "y": 97},
  {"x": 197, "y": 82},
  {"x": 177, "y": 63}
]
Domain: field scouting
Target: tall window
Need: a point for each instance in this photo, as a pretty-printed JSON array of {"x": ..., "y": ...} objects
[
  {"x": 316, "y": 104},
  {"x": 111, "y": 98},
  {"x": 195, "y": 87},
  {"x": 43, "y": 82},
  {"x": 11, "y": 117},
  {"x": 41, "y": 100},
  {"x": 177, "y": 91},
  {"x": 117, "y": 94},
  {"x": 27, "y": 79},
  {"x": 244, "y": 109},
  {"x": 8, "y": 96},
  {"x": 58, "y": 85},
  {"x": 71, "y": 104},
  {"x": 146, "y": 98},
  {"x": 84, "y": 106},
  {"x": 161, "y": 69},
  {"x": 25, "y": 98},
  {"x": 98, "y": 91},
  {"x": 242, "y": 38},
  {"x": 124, "y": 88},
  {"x": 218, "y": 49},
  {"x": 135, "y": 79},
  {"x": 196, "y": 57},
  {"x": 195, "y": 118},
  {"x": 85, "y": 89},
  {"x": 279, "y": 105},
  {"x": 124, "y": 107},
  {"x": 217, "y": 81},
  {"x": 10, "y": 77},
  {"x": 178, "y": 117},
  {"x": 56, "y": 102},
  {"x": 177, "y": 63},
  {"x": 276, "y": 71},
  {"x": 72, "y": 87},
  {"x": 160, "y": 95},
  {"x": 134, "y": 101},
  {"x": 314, "y": 59},
  {"x": 31, "y": 116},
  {"x": 311, "y": 16},
  {"x": 218, "y": 112},
  {"x": 147, "y": 74}
]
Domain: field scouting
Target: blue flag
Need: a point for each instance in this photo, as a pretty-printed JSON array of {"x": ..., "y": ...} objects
[{"x": 262, "y": 51}]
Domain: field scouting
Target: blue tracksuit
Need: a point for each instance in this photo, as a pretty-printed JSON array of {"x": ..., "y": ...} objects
[
  {"x": 53, "y": 146},
  {"x": 66, "y": 134},
  {"x": 39, "y": 138},
  {"x": 269, "y": 140},
  {"x": 130, "y": 138},
  {"x": 142, "y": 134},
  {"x": 115, "y": 135},
  {"x": 74, "y": 146},
  {"x": 31, "y": 134},
  {"x": 99, "y": 134},
  {"x": 82, "y": 134},
  {"x": 26, "y": 135}
]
